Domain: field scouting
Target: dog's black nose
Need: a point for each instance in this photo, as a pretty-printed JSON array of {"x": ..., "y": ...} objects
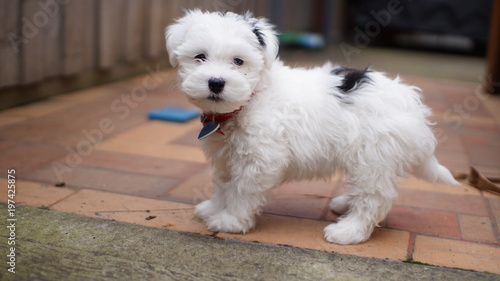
[{"x": 216, "y": 85}]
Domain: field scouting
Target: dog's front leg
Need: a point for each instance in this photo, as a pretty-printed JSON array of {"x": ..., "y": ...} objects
[
  {"x": 235, "y": 202},
  {"x": 217, "y": 202}
]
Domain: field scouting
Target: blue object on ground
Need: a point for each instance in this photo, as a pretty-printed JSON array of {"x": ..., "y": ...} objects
[
  {"x": 173, "y": 114},
  {"x": 302, "y": 39}
]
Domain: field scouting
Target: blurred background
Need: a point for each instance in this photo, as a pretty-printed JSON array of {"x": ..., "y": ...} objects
[{"x": 49, "y": 47}]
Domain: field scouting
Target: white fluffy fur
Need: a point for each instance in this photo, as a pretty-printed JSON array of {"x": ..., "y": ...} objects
[{"x": 296, "y": 124}]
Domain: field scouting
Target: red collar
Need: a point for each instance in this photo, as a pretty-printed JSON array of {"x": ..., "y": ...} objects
[{"x": 219, "y": 118}]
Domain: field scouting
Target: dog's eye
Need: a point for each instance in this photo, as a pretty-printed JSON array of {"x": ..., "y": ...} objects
[
  {"x": 238, "y": 61},
  {"x": 200, "y": 57}
]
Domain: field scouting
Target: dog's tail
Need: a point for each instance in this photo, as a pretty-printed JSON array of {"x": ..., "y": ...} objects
[{"x": 431, "y": 171}]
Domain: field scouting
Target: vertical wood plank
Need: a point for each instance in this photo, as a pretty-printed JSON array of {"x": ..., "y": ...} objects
[
  {"x": 90, "y": 34},
  {"x": 120, "y": 31},
  {"x": 240, "y": 6},
  {"x": 222, "y": 5},
  {"x": 207, "y": 5},
  {"x": 169, "y": 10},
  {"x": 10, "y": 49},
  {"x": 493, "y": 56},
  {"x": 109, "y": 32},
  {"x": 190, "y": 4},
  {"x": 135, "y": 29},
  {"x": 155, "y": 30},
  {"x": 289, "y": 20},
  {"x": 296, "y": 15},
  {"x": 335, "y": 20},
  {"x": 52, "y": 34},
  {"x": 73, "y": 30},
  {"x": 174, "y": 9},
  {"x": 263, "y": 8},
  {"x": 32, "y": 57}
]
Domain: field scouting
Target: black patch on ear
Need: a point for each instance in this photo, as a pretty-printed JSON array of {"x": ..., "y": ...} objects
[
  {"x": 260, "y": 36},
  {"x": 353, "y": 78}
]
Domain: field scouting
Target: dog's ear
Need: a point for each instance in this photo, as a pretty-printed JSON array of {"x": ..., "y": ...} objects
[
  {"x": 266, "y": 36},
  {"x": 174, "y": 34}
]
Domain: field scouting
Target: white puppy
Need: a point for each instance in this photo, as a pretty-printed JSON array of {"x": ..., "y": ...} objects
[{"x": 267, "y": 124}]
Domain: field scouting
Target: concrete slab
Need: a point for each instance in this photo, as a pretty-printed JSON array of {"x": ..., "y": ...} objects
[{"x": 58, "y": 246}]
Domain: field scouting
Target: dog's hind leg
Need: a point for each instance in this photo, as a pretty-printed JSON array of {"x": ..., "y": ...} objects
[
  {"x": 356, "y": 226},
  {"x": 340, "y": 204},
  {"x": 363, "y": 208}
]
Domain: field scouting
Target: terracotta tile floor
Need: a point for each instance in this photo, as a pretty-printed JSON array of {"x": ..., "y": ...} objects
[{"x": 116, "y": 164}]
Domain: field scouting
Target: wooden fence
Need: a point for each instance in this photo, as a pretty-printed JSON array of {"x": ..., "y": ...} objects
[{"x": 47, "y": 46}]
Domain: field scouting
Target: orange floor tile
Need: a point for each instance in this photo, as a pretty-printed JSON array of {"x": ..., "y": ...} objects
[{"x": 109, "y": 161}]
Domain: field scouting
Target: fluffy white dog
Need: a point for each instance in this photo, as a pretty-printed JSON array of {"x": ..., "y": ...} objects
[{"x": 266, "y": 124}]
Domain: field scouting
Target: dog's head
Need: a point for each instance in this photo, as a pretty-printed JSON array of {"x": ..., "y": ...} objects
[{"x": 221, "y": 57}]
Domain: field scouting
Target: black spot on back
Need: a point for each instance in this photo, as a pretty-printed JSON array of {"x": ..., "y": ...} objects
[
  {"x": 353, "y": 78},
  {"x": 260, "y": 36}
]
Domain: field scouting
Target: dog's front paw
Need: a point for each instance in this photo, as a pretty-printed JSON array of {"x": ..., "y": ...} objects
[
  {"x": 347, "y": 233},
  {"x": 225, "y": 222}
]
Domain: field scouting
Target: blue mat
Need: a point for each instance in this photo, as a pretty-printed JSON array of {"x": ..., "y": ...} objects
[{"x": 173, "y": 114}]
